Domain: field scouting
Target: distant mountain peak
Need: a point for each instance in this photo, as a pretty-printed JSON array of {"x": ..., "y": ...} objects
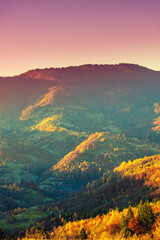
[
  {"x": 46, "y": 73},
  {"x": 49, "y": 73}
]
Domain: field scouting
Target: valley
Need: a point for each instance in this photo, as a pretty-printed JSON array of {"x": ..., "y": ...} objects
[{"x": 81, "y": 140}]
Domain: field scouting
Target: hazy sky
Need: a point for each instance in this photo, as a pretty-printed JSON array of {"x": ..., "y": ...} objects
[{"x": 56, "y": 33}]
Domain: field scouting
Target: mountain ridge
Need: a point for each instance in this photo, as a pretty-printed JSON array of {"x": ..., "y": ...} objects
[
  {"x": 83, "y": 66},
  {"x": 87, "y": 67}
]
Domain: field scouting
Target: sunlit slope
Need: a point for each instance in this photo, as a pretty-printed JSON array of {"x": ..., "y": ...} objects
[
  {"x": 130, "y": 182},
  {"x": 147, "y": 168},
  {"x": 44, "y": 100},
  {"x": 85, "y": 145},
  {"x": 101, "y": 152}
]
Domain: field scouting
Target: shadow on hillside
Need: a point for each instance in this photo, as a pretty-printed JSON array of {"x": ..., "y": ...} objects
[{"x": 115, "y": 192}]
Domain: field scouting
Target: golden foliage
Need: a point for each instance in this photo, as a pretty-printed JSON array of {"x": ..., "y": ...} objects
[
  {"x": 157, "y": 108},
  {"x": 85, "y": 145},
  {"x": 46, "y": 99},
  {"x": 147, "y": 169},
  {"x": 157, "y": 123},
  {"x": 49, "y": 124},
  {"x": 157, "y": 120},
  {"x": 103, "y": 228}
]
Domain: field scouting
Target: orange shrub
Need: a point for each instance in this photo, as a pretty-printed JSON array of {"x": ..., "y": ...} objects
[
  {"x": 135, "y": 226},
  {"x": 112, "y": 228}
]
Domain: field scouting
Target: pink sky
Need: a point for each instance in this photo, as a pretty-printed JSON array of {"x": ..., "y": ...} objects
[{"x": 56, "y": 33}]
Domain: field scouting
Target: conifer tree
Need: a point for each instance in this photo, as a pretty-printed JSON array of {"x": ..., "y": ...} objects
[
  {"x": 125, "y": 219},
  {"x": 82, "y": 234},
  {"x": 145, "y": 215},
  {"x": 130, "y": 214},
  {"x": 1, "y": 234}
]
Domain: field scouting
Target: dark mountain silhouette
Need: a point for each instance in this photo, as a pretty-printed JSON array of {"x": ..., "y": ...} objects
[{"x": 19, "y": 91}]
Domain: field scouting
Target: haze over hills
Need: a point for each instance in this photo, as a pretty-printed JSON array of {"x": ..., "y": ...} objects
[
  {"x": 74, "y": 102},
  {"x": 62, "y": 128},
  {"x": 115, "y": 89},
  {"x": 109, "y": 81}
]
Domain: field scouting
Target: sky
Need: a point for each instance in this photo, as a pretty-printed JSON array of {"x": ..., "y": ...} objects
[{"x": 60, "y": 33}]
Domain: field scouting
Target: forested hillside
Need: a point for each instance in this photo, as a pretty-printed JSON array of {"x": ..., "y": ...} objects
[
  {"x": 140, "y": 221},
  {"x": 68, "y": 137}
]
